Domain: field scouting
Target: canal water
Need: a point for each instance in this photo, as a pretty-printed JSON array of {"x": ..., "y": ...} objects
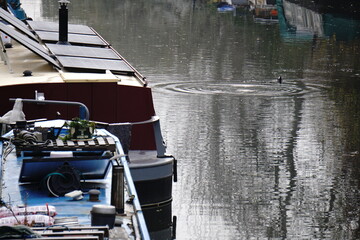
[{"x": 257, "y": 159}]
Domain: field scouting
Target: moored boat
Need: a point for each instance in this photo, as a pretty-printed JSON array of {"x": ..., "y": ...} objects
[
  {"x": 264, "y": 10},
  {"x": 225, "y": 6},
  {"x": 47, "y": 63}
]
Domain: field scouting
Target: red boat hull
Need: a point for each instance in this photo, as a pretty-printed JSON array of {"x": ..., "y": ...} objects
[{"x": 107, "y": 102}]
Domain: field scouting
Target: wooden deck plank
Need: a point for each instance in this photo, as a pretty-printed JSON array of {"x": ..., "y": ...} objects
[
  {"x": 70, "y": 238},
  {"x": 101, "y": 141},
  {"x": 59, "y": 143},
  {"x": 98, "y": 234},
  {"x": 110, "y": 141},
  {"x": 104, "y": 229}
]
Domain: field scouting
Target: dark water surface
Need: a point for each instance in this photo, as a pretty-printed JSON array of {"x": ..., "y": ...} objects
[{"x": 256, "y": 159}]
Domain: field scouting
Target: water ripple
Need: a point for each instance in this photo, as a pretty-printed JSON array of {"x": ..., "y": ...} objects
[{"x": 243, "y": 89}]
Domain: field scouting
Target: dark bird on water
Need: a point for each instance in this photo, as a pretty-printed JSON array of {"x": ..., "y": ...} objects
[{"x": 279, "y": 79}]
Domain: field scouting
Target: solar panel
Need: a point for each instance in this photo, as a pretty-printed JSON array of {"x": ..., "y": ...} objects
[
  {"x": 54, "y": 27},
  {"x": 71, "y": 57},
  {"x": 78, "y": 63},
  {"x": 80, "y": 39},
  {"x": 82, "y": 51},
  {"x": 28, "y": 43},
  {"x": 18, "y": 24}
]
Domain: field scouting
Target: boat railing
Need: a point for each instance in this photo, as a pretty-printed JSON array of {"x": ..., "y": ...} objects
[
  {"x": 83, "y": 112},
  {"x": 120, "y": 159},
  {"x": 1, "y": 164},
  {"x": 160, "y": 144},
  {"x": 2, "y": 157},
  {"x": 155, "y": 121}
]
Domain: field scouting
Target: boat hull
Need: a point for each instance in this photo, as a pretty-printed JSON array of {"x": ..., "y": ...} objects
[
  {"x": 107, "y": 102},
  {"x": 153, "y": 178}
]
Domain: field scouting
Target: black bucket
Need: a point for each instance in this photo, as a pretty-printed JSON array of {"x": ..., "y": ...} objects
[{"x": 103, "y": 215}]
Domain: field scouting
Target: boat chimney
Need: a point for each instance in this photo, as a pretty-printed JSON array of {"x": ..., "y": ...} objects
[{"x": 63, "y": 22}]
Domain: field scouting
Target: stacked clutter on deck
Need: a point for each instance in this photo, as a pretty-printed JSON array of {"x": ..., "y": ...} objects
[{"x": 41, "y": 216}]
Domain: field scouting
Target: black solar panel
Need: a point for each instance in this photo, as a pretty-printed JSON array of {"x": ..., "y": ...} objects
[
  {"x": 81, "y": 51},
  {"x": 73, "y": 38},
  {"x": 28, "y": 43},
  {"x": 54, "y": 27},
  {"x": 18, "y": 24},
  {"x": 76, "y": 63},
  {"x": 87, "y": 52}
]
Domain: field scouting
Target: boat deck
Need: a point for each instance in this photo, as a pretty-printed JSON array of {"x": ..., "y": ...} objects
[{"x": 71, "y": 213}]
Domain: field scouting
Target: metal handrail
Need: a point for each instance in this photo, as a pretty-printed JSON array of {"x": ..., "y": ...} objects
[
  {"x": 151, "y": 120},
  {"x": 155, "y": 120},
  {"x": 81, "y": 105},
  {"x": 1, "y": 165},
  {"x": 6, "y": 135}
]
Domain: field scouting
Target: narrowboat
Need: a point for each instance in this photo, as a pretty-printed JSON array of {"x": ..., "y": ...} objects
[{"x": 57, "y": 70}]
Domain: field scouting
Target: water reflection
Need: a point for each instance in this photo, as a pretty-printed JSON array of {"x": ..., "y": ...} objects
[
  {"x": 257, "y": 159},
  {"x": 298, "y": 21}
]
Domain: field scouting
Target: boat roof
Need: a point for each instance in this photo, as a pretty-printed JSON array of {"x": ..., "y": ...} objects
[{"x": 87, "y": 51}]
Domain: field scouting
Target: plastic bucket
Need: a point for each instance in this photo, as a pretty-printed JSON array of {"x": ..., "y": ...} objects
[{"x": 102, "y": 215}]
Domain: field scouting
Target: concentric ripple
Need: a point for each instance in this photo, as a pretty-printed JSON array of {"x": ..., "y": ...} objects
[{"x": 243, "y": 89}]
